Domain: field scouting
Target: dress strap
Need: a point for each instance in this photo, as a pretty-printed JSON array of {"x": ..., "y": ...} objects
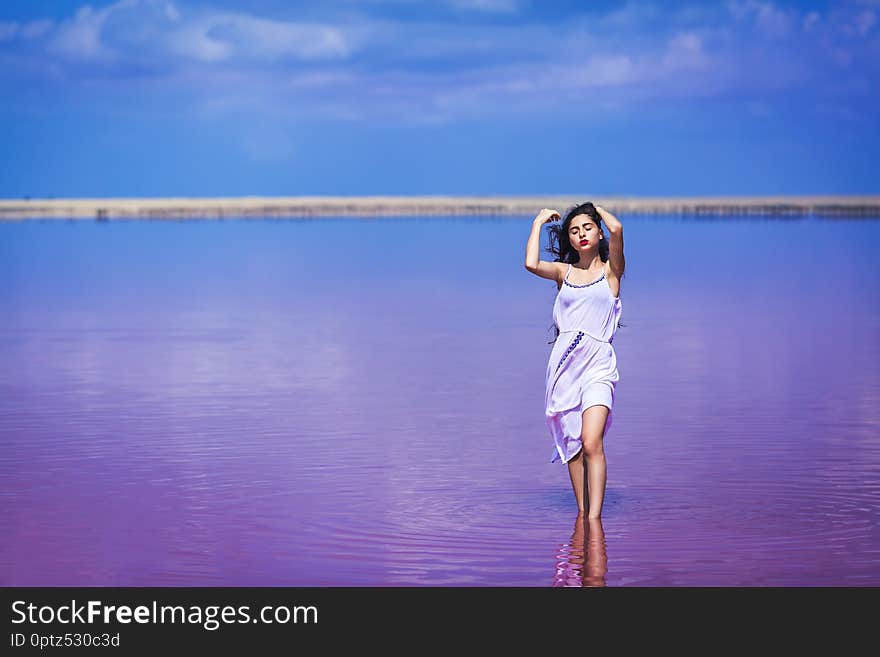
[{"x": 568, "y": 271}]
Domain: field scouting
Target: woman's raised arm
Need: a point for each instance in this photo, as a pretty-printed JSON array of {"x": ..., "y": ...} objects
[
  {"x": 544, "y": 269},
  {"x": 615, "y": 241}
]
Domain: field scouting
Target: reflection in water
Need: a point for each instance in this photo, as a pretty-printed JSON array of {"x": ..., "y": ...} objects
[{"x": 587, "y": 542}]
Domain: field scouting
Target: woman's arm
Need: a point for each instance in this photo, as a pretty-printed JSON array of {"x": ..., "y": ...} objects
[
  {"x": 615, "y": 241},
  {"x": 610, "y": 220},
  {"x": 551, "y": 270}
]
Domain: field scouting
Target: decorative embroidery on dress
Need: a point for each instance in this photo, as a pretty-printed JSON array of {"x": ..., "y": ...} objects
[
  {"x": 574, "y": 343},
  {"x": 585, "y": 285}
]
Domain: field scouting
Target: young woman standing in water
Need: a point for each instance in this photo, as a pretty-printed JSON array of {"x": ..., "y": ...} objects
[{"x": 582, "y": 371}]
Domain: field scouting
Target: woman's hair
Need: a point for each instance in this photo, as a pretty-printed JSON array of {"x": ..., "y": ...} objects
[{"x": 560, "y": 246}]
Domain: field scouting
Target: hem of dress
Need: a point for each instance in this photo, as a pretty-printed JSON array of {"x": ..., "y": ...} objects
[
  {"x": 560, "y": 459},
  {"x": 582, "y": 411}
]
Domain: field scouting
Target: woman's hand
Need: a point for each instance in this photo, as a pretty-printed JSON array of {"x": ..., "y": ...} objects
[
  {"x": 612, "y": 222},
  {"x": 546, "y": 215}
]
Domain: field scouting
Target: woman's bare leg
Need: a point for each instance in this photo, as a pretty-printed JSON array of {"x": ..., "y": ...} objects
[
  {"x": 596, "y": 470},
  {"x": 578, "y": 475}
]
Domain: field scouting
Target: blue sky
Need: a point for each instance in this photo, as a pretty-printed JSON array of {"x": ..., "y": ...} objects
[{"x": 221, "y": 98}]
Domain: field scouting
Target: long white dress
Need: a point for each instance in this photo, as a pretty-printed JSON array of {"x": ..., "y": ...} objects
[{"x": 582, "y": 369}]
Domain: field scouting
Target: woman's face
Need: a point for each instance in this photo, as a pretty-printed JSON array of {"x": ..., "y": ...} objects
[{"x": 583, "y": 234}]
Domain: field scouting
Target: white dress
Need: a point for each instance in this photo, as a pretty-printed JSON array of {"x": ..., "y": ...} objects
[{"x": 582, "y": 370}]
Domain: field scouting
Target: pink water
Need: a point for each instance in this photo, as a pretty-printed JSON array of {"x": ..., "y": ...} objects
[{"x": 359, "y": 402}]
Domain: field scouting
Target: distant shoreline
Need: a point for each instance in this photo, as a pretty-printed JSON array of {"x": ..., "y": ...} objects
[{"x": 379, "y": 206}]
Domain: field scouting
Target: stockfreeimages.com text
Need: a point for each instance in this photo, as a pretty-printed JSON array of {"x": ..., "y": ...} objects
[{"x": 211, "y": 617}]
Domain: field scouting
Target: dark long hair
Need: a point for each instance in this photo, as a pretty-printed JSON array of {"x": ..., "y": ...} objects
[{"x": 560, "y": 246}]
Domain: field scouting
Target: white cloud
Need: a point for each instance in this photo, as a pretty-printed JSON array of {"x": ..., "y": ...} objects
[
  {"x": 263, "y": 39},
  {"x": 356, "y": 66},
  {"x": 80, "y": 36},
  {"x": 158, "y": 27},
  {"x": 685, "y": 51},
  {"x": 767, "y": 18}
]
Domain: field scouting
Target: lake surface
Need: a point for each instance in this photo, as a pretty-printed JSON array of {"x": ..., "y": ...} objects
[{"x": 360, "y": 402}]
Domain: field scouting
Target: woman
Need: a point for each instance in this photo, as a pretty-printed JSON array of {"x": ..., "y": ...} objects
[{"x": 582, "y": 371}]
